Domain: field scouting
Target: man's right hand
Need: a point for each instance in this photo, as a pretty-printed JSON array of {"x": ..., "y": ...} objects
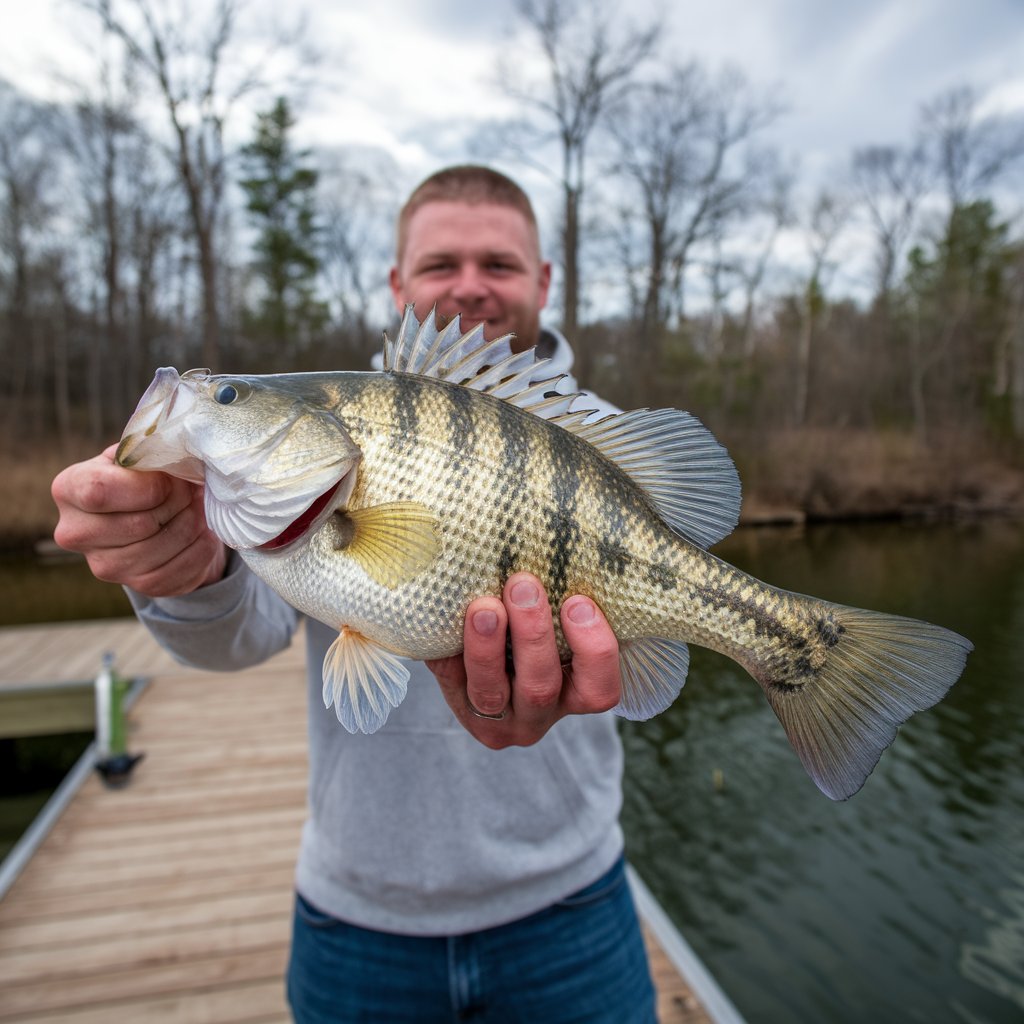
[{"x": 146, "y": 531}]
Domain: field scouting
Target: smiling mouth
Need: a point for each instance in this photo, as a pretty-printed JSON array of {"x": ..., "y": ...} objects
[{"x": 467, "y": 321}]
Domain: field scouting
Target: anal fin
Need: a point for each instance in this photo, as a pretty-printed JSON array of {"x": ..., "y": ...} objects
[
  {"x": 653, "y": 672},
  {"x": 363, "y": 681}
]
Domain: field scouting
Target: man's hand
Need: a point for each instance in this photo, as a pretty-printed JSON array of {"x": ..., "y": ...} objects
[
  {"x": 144, "y": 530},
  {"x": 541, "y": 691}
]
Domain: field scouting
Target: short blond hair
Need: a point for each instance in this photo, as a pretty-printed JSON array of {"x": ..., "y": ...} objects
[{"x": 465, "y": 183}]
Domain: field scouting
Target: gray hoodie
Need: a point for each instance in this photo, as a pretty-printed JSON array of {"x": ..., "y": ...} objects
[{"x": 419, "y": 829}]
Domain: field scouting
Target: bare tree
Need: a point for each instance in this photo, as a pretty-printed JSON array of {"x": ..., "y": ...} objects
[
  {"x": 890, "y": 182},
  {"x": 771, "y": 212},
  {"x": 358, "y": 203},
  {"x": 188, "y": 59},
  {"x": 590, "y": 63},
  {"x": 155, "y": 212},
  {"x": 27, "y": 206},
  {"x": 827, "y": 218},
  {"x": 969, "y": 151},
  {"x": 682, "y": 149},
  {"x": 95, "y": 137}
]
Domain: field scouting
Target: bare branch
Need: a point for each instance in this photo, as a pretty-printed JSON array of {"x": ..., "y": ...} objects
[
  {"x": 970, "y": 152},
  {"x": 589, "y": 66}
]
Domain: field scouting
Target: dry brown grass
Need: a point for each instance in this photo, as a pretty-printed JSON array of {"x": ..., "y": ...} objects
[{"x": 829, "y": 474}]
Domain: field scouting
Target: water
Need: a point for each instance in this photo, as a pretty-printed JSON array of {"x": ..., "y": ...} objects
[
  {"x": 905, "y": 903},
  {"x": 31, "y": 768},
  {"x": 55, "y": 589}
]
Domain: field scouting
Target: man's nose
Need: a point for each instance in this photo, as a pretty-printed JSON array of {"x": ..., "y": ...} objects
[{"x": 469, "y": 283}]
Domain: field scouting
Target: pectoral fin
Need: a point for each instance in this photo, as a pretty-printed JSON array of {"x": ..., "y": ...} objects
[
  {"x": 363, "y": 681},
  {"x": 653, "y": 673},
  {"x": 393, "y": 543}
]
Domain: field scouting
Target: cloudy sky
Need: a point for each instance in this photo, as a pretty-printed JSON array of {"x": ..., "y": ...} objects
[
  {"x": 851, "y": 73},
  {"x": 411, "y": 76}
]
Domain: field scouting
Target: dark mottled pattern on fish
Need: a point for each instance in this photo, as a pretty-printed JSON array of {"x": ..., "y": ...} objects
[
  {"x": 612, "y": 556},
  {"x": 830, "y": 631},
  {"x": 560, "y": 514},
  {"x": 724, "y": 592},
  {"x": 461, "y": 432},
  {"x": 405, "y": 400},
  {"x": 662, "y": 575},
  {"x": 515, "y": 456},
  {"x": 612, "y": 546}
]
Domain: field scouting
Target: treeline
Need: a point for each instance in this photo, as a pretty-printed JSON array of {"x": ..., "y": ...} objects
[{"x": 697, "y": 267}]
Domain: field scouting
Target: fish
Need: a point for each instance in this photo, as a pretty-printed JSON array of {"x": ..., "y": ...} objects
[{"x": 383, "y": 502}]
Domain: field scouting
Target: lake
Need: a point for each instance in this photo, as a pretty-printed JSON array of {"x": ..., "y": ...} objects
[{"x": 906, "y": 903}]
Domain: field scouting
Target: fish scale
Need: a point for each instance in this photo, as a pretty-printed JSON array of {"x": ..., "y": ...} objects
[
  {"x": 551, "y": 544},
  {"x": 384, "y": 503}
]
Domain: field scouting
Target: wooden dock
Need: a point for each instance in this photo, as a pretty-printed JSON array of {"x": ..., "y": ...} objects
[{"x": 170, "y": 900}]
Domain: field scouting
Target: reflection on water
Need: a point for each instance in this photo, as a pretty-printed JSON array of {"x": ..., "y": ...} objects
[{"x": 905, "y": 903}]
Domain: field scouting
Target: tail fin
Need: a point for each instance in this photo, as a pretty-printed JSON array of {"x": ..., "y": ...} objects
[{"x": 842, "y": 702}]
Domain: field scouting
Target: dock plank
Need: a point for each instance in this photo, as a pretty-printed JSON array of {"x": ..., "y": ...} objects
[
  {"x": 260, "y": 1002},
  {"x": 170, "y": 900}
]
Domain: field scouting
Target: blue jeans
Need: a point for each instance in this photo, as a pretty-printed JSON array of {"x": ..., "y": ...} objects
[{"x": 581, "y": 960}]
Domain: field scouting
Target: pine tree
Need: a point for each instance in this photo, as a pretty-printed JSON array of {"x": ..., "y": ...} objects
[{"x": 280, "y": 185}]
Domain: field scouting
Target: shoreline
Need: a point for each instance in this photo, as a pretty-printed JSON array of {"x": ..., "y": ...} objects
[
  {"x": 789, "y": 478},
  {"x": 757, "y": 513}
]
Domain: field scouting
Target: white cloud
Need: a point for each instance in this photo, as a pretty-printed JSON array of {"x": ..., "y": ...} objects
[{"x": 1006, "y": 98}]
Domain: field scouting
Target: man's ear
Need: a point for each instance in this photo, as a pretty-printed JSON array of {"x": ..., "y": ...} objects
[
  {"x": 397, "y": 291},
  {"x": 544, "y": 282}
]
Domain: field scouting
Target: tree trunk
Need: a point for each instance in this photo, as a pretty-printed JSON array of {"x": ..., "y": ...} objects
[
  {"x": 917, "y": 371},
  {"x": 61, "y": 372},
  {"x": 1016, "y": 360},
  {"x": 19, "y": 346},
  {"x": 570, "y": 255},
  {"x": 803, "y": 363},
  {"x": 94, "y": 377},
  {"x": 211, "y": 314}
]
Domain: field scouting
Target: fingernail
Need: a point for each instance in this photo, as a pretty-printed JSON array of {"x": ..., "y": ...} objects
[
  {"x": 582, "y": 613},
  {"x": 524, "y": 594},
  {"x": 485, "y": 623}
]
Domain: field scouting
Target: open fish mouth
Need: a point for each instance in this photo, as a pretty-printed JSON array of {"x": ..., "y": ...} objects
[
  {"x": 273, "y": 470},
  {"x": 150, "y": 439},
  {"x": 314, "y": 516}
]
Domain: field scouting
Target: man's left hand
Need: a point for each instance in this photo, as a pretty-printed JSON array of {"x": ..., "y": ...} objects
[{"x": 501, "y": 711}]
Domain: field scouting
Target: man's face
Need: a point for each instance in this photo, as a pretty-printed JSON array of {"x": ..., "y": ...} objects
[{"x": 479, "y": 260}]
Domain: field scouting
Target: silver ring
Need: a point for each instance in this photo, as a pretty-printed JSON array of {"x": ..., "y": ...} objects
[{"x": 490, "y": 718}]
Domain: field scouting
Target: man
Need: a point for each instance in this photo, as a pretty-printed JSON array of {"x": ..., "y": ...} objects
[{"x": 465, "y": 862}]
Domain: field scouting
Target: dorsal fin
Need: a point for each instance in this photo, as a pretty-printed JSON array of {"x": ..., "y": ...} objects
[
  {"x": 488, "y": 366},
  {"x": 447, "y": 354},
  {"x": 671, "y": 455},
  {"x": 676, "y": 460}
]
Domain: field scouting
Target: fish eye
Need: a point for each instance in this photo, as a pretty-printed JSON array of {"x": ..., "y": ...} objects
[{"x": 230, "y": 392}]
